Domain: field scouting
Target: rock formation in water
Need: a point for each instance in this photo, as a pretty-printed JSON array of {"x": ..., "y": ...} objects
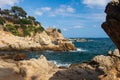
[{"x": 112, "y": 23}]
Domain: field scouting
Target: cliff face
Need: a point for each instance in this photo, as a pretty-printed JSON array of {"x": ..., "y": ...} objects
[
  {"x": 112, "y": 23},
  {"x": 19, "y": 31},
  {"x": 41, "y": 41}
]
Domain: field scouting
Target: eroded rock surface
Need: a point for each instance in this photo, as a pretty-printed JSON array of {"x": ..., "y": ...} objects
[
  {"x": 112, "y": 23},
  {"x": 33, "y": 69},
  {"x": 99, "y": 68},
  {"x": 41, "y": 41}
]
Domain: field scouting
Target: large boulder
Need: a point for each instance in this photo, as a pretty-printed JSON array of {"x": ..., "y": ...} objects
[
  {"x": 66, "y": 45},
  {"x": 33, "y": 69},
  {"x": 112, "y": 23}
]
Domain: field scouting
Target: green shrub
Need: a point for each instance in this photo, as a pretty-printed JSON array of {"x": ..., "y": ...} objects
[
  {"x": 25, "y": 21},
  {"x": 2, "y": 21},
  {"x": 54, "y": 30},
  {"x": 12, "y": 29},
  {"x": 31, "y": 18},
  {"x": 37, "y": 23},
  {"x": 59, "y": 30},
  {"x": 39, "y": 30},
  {"x": 31, "y": 28},
  {"x": 26, "y": 32},
  {"x": 20, "y": 20}
]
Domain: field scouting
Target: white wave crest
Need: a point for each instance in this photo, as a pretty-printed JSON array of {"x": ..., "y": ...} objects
[
  {"x": 60, "y": 64},
  {"x": 81, "y": 50}
]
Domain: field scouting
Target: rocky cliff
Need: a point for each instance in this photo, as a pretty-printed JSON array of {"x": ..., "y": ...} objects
[
  {"x": 112, "y": 23},
  {"x": 19, "y": 31},
  {"x": 41, "y": 41}
]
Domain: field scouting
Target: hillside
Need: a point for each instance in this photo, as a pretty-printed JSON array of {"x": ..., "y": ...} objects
[
  {"x": 18, "y": 22},
  {"x": 22, "y": 32}
]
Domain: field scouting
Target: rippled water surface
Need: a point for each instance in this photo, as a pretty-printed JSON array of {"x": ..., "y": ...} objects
[{"x": 85, "y": 52}]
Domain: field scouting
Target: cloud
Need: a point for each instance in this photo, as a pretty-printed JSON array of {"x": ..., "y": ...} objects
[
  {"x": 42, "y": 10},
  {"x": 65, "y": 9},
  {"x": 64, "y": 29},
  {"x": 4, "y": 3},
  {"x": 93, "y": 3},
  {"x": 70, "y": 9},
  {"x": 46, "y": 8},
  {"x": 89, "y": 16},
  {"x": 77, "y": 27},
  {"x": 61, "y": 10},
  {"x": 38, "y": 13}
]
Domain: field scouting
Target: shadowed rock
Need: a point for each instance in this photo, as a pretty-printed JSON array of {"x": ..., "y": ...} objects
[{"x": 112, "y": 24}]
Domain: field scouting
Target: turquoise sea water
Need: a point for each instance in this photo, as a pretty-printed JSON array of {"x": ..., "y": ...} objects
[{"x": 85, "y": 52}]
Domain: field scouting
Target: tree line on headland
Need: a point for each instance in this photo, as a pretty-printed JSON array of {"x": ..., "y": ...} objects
[{"x": 19, "y": 23}]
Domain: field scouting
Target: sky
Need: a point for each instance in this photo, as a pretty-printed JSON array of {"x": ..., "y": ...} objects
[{"x": 75, "y": 18}]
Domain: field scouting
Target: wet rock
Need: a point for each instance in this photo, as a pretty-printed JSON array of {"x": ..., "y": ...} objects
[
  {"x": 20, "y": 56},
  {"x": 13, "y": 56}
]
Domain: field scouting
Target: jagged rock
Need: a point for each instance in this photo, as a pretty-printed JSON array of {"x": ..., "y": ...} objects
[
  {"x": 33, "y": 69},
  {"x": 54, "y": 34},
  {"x": 105, "y": 62},
  {"x": 42, "y": 38},
  {"x": 112, "y": 23},
  {"x": 40, "y": 42},
  {"x": 66, "y": 46},
  {"x": 114, "y": 53},
  {"x": 100, "y": 68},
  {"x": 75, "y": 73}
]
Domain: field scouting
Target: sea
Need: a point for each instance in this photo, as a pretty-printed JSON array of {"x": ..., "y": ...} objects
[{"x": 85, "y": 52}]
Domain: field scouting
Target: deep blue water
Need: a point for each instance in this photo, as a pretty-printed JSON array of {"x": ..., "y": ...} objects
[{"x": 85, "y": 52}]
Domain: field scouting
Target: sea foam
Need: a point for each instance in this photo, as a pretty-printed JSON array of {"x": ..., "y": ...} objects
[
  {"x": 60, "y": 64},
  {"x": 81, "y": 50}
]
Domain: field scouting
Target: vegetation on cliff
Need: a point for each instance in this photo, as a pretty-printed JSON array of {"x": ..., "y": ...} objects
[{"x": 18, "y": 22}]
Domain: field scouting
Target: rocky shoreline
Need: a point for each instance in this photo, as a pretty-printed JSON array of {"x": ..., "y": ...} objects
[
  {"x": 99, "y": 68},
  {"x": 17, "y": 67},
  {"x": 39, "y": 42}
]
